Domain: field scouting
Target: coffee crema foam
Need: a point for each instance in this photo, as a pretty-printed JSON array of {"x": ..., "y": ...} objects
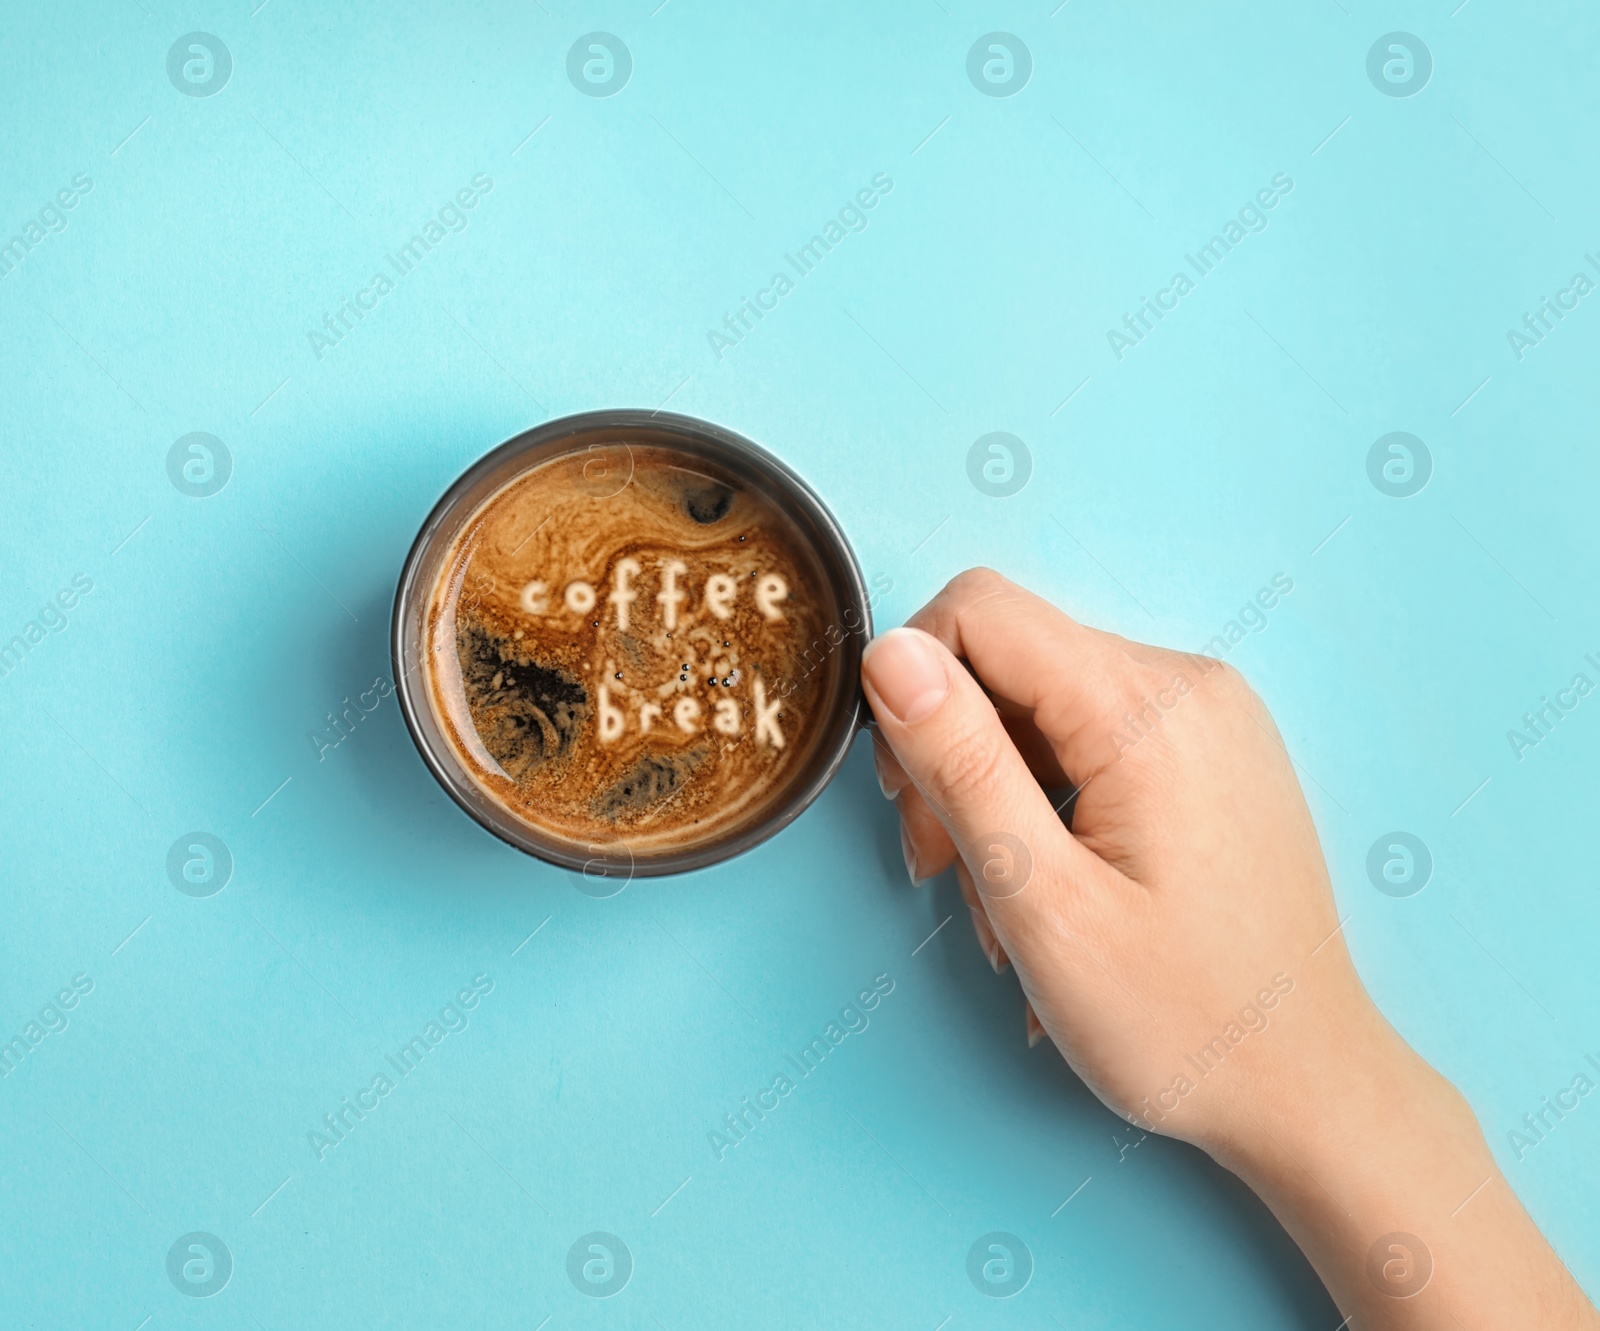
[{"x": 616, "y": 650}]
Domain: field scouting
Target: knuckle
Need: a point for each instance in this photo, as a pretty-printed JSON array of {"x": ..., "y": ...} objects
[
  {"x": 968, "y": 768},
  {"x": 974, "y": 583},
  {"x": 1228, "y": 685}
]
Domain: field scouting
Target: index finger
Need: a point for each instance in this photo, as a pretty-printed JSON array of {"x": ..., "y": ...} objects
[{"x": 1079, "y": 682}]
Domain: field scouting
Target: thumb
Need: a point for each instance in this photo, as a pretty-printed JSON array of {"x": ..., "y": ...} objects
[{"x": 951, "y": 743}]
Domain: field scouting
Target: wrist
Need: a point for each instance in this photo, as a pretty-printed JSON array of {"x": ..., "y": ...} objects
[
  {"x": 1372, "y": 1143},
  {"x": 1366, "y": 1104},
  {"x": 1377, "y": 1168}
]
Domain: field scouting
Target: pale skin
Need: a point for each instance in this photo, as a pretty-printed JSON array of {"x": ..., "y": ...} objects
[{"x": 1190, "y": 891}]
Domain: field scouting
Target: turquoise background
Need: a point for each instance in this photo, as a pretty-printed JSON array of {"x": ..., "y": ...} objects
[{"x": 1166, "y": 488}]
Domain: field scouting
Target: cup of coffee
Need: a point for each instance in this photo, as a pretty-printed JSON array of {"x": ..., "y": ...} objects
[{"x": 629, "y": 642}]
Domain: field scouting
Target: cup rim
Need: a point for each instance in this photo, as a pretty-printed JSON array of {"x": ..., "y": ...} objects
[{"x": 442, "y": 525}]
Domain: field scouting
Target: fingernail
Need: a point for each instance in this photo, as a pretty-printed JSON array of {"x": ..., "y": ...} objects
[
  {"x": 986, "y": 939},
  {"x": 891, "y": 780},
  {"x": 910, "y": 854},
  {"x": 905, "y": 671},
  {"x": 1035, "y": 1029}
]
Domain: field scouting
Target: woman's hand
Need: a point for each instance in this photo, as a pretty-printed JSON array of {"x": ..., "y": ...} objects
[{"x": 1180, "y": 943}]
